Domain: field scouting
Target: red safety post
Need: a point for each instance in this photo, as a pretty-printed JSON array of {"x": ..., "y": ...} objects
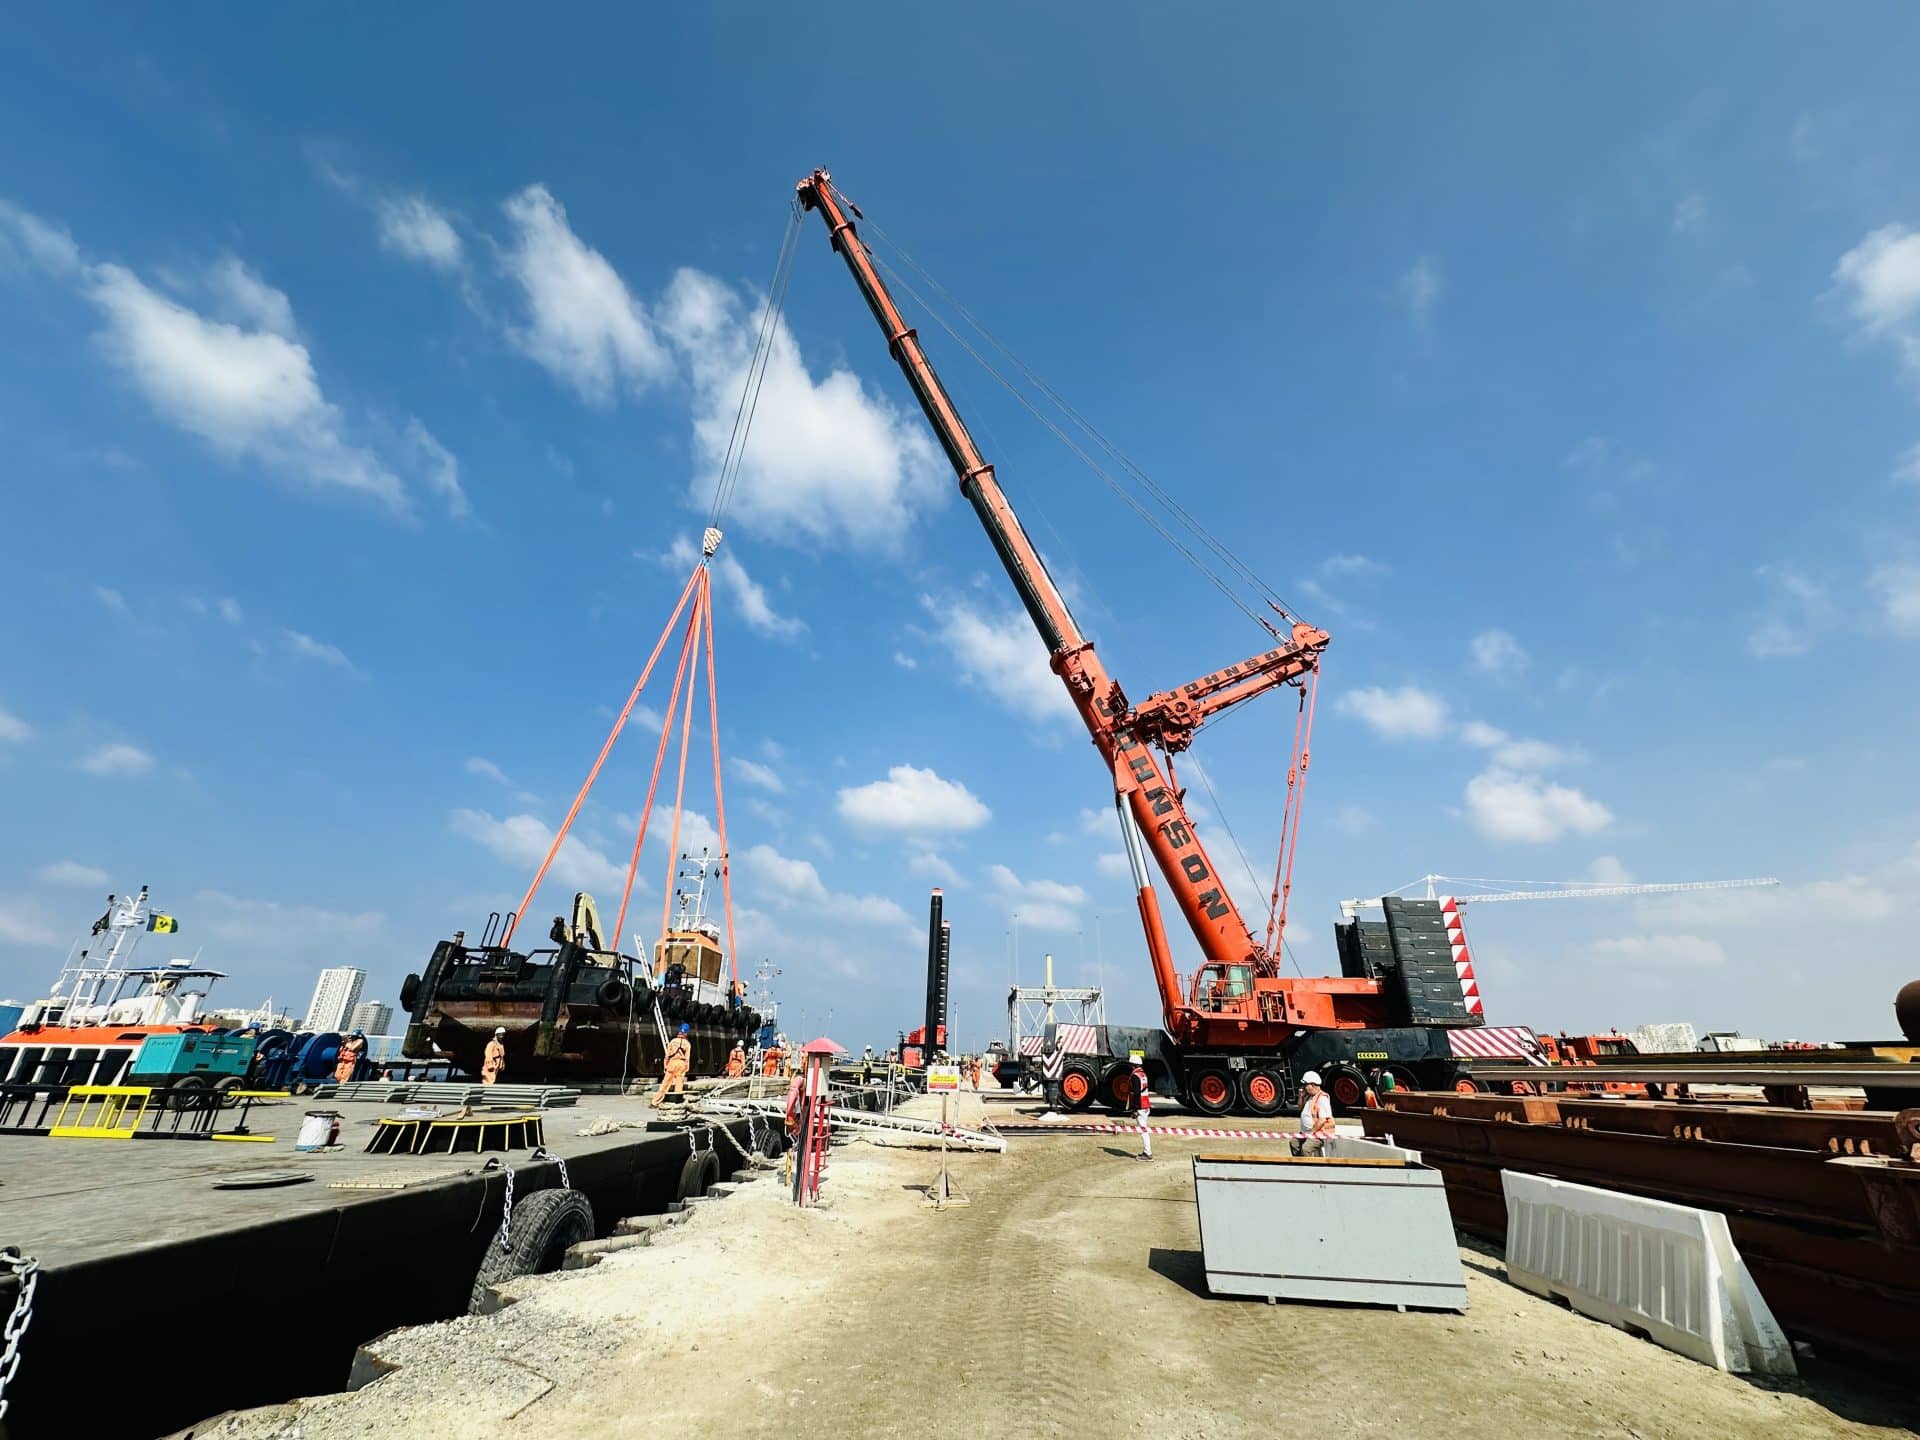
[{"x": 807, "y": 1123}]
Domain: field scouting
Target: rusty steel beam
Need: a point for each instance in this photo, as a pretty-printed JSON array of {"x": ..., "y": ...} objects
[
  {"x": 1891, "y": 1075},
  {"x": 1841, "y": 1291},
  {"x": 1751, "y": 1179},
  {"x": 1834, "y": 1132}
]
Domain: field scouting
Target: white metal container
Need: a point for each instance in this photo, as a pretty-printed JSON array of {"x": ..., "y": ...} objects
[
  {"x": 319, "y": 1130},
  {"x": 1368, "y": 1225}
]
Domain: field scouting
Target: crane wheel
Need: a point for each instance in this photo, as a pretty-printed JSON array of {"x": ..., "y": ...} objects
[
  {"x": 1347, "y": 1088},
  {"x": 1116, "y": 1090},
  {"x": 1211, "y": 1091},
  {"x": 1467, "y": 1085},
  {"x": 1076, "y": 1087},
  {"x": 1262, "y": 1092}
]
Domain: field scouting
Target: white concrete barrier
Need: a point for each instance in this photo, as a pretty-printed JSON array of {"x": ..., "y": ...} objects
[{"x": 1668, "y": 1270}]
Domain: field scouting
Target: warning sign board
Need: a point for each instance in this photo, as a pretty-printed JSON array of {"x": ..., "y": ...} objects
[{"x": 943, "y": 1077}]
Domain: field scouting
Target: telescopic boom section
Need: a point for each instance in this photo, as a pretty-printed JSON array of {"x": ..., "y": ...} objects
[{"x": 1124, "y": 736}]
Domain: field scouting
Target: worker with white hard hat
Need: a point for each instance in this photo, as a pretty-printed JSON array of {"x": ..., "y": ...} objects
[
  {"x": 1316, "y": 1118},
  {"x": 493, "y": 1064},
  {"x": 1143, "y": 1100}
]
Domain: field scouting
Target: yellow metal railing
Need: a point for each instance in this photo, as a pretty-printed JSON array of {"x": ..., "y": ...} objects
[{"x": 103, "y": 1112}]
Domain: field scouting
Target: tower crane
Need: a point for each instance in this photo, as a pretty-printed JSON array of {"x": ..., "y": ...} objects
[
  {"x": 1241, "y": 1033},
  {"x": 1442, "y": 886}
]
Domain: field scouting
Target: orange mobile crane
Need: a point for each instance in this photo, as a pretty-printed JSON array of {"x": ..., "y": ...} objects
[{"x": 1240, "y": 1034}]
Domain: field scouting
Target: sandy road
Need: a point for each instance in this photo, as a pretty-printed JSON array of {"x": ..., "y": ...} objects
[{"x": 1065, "y": 1299}]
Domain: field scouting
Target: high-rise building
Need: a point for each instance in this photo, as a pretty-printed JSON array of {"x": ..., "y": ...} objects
[
  {"x": 334, "y": 998},
  {"x": 371, "y": 1017}
]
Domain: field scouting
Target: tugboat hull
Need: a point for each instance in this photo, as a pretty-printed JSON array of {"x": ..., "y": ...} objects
[{"x": 569, "y": 1014}]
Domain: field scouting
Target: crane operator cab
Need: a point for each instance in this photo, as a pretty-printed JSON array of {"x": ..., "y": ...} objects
[{"x": 1223, "y": 989}]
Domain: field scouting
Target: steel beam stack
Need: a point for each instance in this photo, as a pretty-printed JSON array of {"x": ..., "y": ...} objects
[{"x": 1824, "y": 1205}]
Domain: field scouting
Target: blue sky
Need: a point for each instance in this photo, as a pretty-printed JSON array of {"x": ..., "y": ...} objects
[{"x": 358, "y": 392}]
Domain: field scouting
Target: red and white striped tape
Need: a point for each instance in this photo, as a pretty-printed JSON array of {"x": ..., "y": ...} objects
[{"x": 1094, "y": 1128}]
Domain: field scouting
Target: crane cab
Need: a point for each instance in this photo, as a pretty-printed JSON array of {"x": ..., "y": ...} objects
[{"x": 1220, "y": 989}]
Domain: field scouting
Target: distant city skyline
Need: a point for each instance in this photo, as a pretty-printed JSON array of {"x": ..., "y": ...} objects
[
  {"x": 371, "y": 1017},
  {"x": 335, "y": 994}
]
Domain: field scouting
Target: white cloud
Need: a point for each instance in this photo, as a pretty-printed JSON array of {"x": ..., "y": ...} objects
[
  {"x": 1906, "y": 470},
  {"x": 1510, "y": 807},
  {"x": 582, "y": 323},
  {"x": 747, "y": 595},
  {"x": 13, "y": 730},
  {"x": 21, "y": 925},
  {"x": 1791, "y": 623},
  {"x": 1607, "y": 870},
  {"x": 241, "y": 296},
  {"x": 230, "y": 610},
  {"x": 1880, "y": 278},
  {"x": 413, "y": 226},
  {"x": 1408, "y": 713},
  {"x": 1495, "y": 652},
  {"x": 935, "y": 867},
  {"x": 308, "y": 648},
  {"x": 441, "y": 470},
  {"x": 1690, "y": 215},
  {"x": 754, "y": 773},
  {"x": 1114, "y": 866},
  {"x": 28, "y": 241},
  {"x": 71, "y": 872},
  {"x": 480, "y": 765},
  {"x": 1001, "y": 654},
  {"x": 522, "y": 841},
  {"x": 831, "y": 461},
  {"x": 1661, "y": 952},
  {"x": 797, "y": 883},
  {"x": 1353, "y": 820},
  {"x": 1041, "y": 904},
  {"x": 905, "y": 661},
  {"x": 1341, "y": 565},
  {"x": 1420, "y": 288},
  {"x": 1516, "y": 754},
  {"x": 914, "y": 801},
  {"x": 116, "y": 760},
  {"x": 1898, "y": 590},
  {"x": 111, "y": 598},
  {"x": 251, "y": 394},
  {"x": 269, "y": 922}
]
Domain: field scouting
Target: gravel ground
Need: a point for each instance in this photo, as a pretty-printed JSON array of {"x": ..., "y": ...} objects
[{"x": 1066, "y": 1298}]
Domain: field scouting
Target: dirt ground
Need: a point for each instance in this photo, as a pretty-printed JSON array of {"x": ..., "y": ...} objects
[{"x": 1066, "y": 1298}]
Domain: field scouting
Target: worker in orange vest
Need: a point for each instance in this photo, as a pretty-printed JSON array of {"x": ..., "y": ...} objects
[
  {"x": 737, "y": 1061},
  {"x": 351, "y": 1049},
  {"x": 493, "y": 1064},
  {"x": 770, "y": 1062},
  {"x": 1316, "y": 1118},
  {"x": 679, "y": 1059},
  {"x": 973, "y": 1072}
]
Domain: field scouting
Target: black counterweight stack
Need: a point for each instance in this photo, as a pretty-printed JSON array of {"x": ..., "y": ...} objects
[{"x": 939, "y": 940}]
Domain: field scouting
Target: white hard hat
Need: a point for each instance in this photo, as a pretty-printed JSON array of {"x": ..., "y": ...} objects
[
  {"x": 1312, "y": 1077},
  {"x": 500, "y": 1030}
]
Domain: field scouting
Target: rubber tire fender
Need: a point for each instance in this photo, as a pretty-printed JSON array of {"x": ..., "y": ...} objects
[
  {"x": 545, "y": 1223},
  {"x": 612, "y": 994},
  {"x": 409, "y": 993},
  {"x": 699, "y": 1174}
]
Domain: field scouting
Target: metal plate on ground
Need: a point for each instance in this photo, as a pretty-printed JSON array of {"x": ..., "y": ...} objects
[{"x": 262, "y": 1180}]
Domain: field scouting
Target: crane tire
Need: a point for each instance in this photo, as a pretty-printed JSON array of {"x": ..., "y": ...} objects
[
  {"x": 1262, "y": 1091},
  {"x": 1347, "y": 1088},
  {"x": 1077, "y": 1086},
  {"x": 1116, "y": 1090},
  {"x": 409, "y": 993},
  {"x": 1210, "y": 1090},
  {"x": 545, "y": 1224},
  {"x": 697, "y": 1175}
]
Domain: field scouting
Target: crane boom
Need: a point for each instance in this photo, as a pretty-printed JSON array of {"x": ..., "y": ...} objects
[{"x": 1122, "y": 734}]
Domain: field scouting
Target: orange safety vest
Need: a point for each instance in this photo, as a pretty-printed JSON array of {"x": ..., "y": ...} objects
[{"x": 736, "y": 1064}]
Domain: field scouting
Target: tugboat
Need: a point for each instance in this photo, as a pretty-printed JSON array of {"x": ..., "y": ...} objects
[
  {"x": 101, "y": 1009},
  {"x": 578, "y": 1010}
]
